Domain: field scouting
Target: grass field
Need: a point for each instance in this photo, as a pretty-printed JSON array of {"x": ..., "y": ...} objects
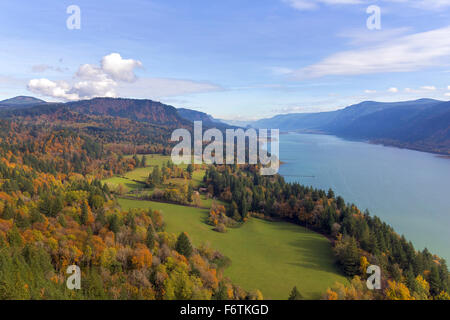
[
  {"x": 141, "y": 174},
  {"x": 269, "y": 256},
  {"x": 114, "y": 182},
  {"x": 153, "y": 160}
]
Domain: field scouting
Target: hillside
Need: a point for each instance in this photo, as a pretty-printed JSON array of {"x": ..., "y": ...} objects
[
  {"x": 193, "y": 115},
  {"x": 304, "y": 258},
  {"x": 134, "y": 109},
  {"x": 142, "y": 110},
  {"x": 20, "y": 101},
  {"x": 421, "y": 124}
]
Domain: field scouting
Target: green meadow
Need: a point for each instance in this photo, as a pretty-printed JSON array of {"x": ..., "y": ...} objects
[
  {"x": 270, "y": 256},
  {"x": 114, "y": 182},
  {"x": 141, "y": 174}
]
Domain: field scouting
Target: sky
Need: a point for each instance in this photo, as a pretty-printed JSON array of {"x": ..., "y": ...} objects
[{"x": 234, "y": 59}]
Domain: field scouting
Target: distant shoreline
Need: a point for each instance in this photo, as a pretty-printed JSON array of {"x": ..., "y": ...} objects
[{"x": 386, "y": 143}]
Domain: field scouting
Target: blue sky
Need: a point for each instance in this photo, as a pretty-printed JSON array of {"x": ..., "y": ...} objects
[{"x": 233, "y": 59}]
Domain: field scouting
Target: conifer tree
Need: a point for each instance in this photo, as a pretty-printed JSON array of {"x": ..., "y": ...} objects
[
  {"x": 151, "y": 238},
  {"x": 183, "y": 245},
  {"x": 190, "y": 193},
  {"x": 295, "y": 294}
]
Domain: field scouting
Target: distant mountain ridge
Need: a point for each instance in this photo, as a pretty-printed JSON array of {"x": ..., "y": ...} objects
[
  {"x": 134, "y": 109},
  {"x": 143, "y": 110},
  {"x": 206, "y": 119},
  {"x": 21, "y": 101},
  {"x": 422, "y": 124}
]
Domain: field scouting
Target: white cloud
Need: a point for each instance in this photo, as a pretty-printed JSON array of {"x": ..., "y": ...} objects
[
  {"x": 120, "y": 69},
  {"x": 314, "y": 4},
  {"x": 393, "y": 90},
  {"x": 366, "y": 36},
  {"x": 89, "y": 89},
  {"x": 422, "y": 90},
  {"x": 91, "y": 72},
  {"x": 426, "y": 4},
  {"x": 403, "y": 54},
  {"x": 55, "y": 89},
  {"x": 370, "y": 91},
  {"x": 115, "y": 75}
]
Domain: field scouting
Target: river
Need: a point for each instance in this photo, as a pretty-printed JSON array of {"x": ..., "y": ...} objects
[{"x": 408, "y": 189}]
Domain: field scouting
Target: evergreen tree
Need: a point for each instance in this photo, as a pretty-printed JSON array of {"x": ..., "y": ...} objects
[
  {"x": 14, "y": 237},
  {"x": 348, "y": 255},
  {"x": 84, "y": 213},
  {"x": 340, "y": 203},
  {"x": 435, "y": 283},
  {"x": 156, "y": 175},
  {"x": 444, "y": 275},
  {"x": 183, "y": 245},
  {"x": 8, "y": 212},
  {"x": 136, "y": 160},
  {"x": 190, "y": 169},
  {"x": 410, "y": 279},
  {"x": 114, "y": 223},
  {"x": 330, "y": 194},
  {"x": 221, "y": 293},
  {"x": 244, "y": 208},
  {"x": 151, "y": 237},
  {"x": 190, "y": 193},
  {"x": 144, "y": 161},
  {"x": 295, "y": 294}
]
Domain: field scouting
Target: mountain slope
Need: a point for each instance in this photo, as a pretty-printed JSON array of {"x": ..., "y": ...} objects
[
  {"x": 206, "y": 119},
  {"x": 21, "y": 101},
  {"x": 421, "y": 124},
  {"x": 333, "y": 120},
  {"x": 139, "y": 110},
  {"x": 143, "y": 110},
  {"x": 299, "y": 121}
]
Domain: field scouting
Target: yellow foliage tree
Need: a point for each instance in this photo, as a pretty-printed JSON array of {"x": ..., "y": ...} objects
[{"x": 397, "y": 291}]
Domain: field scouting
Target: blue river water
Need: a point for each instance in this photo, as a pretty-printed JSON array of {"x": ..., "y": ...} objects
[{"x": 409, "y": 190}]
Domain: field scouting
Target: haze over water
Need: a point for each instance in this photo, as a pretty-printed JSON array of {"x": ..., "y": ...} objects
[{"x": 409, "y": 190}]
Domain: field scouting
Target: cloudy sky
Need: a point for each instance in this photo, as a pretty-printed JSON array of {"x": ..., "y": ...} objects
[{"x": 235, "y": 59}]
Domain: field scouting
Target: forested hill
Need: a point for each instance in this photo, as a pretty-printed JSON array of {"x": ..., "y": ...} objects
[
  {"x": 55, "y": 212},
  {"x": 20, "y": 101},
  {"x": 207, "y": 120},
  {"x": 421, "y": 124},
  {"x": 134, "y": 109},
  {"x": 142, "y": 110}
]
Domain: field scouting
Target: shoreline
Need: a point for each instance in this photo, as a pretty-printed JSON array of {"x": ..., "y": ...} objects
[{"x": 380, "y": 142}]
